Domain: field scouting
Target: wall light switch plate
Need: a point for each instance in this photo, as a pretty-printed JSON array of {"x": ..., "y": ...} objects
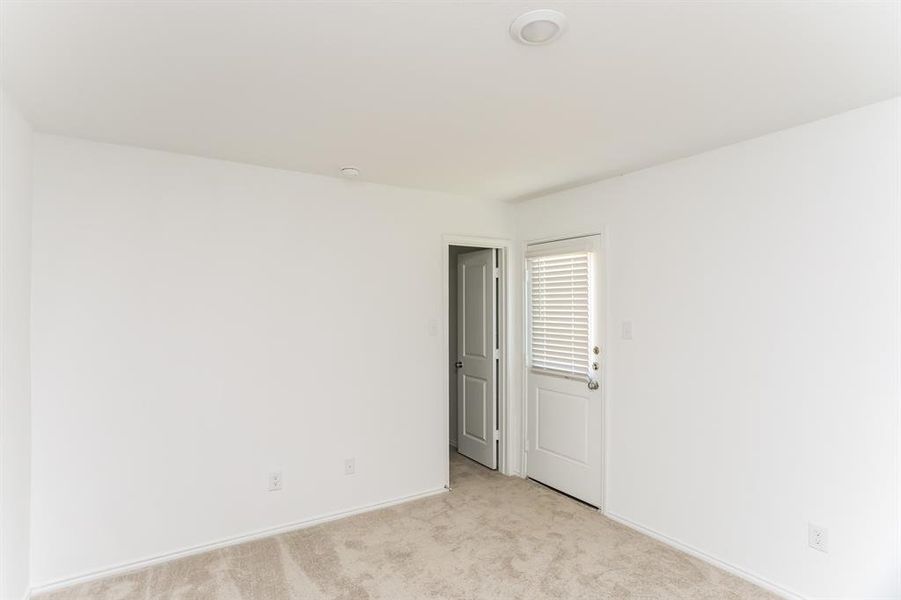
[
  {"x": 627, "y": 330},
  {"x": 817, "y": 537},
  {"x": 350, "y": 466}
]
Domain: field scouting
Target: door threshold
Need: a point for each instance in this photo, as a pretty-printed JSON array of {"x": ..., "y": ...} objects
[{"x": 553, "y": 489}]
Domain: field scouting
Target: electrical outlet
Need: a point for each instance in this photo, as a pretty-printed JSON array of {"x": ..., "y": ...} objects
[
  {"x": 275, "y": 481},
  {"x": 817, "y": 537},
  {"x": 350, "y": 466}
]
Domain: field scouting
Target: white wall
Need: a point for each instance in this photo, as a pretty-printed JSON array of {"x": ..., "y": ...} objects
[
  {"x": 199, "y": 323},
  {"x": 761, "y": 390},
  {"x": 15, "y": 287}
]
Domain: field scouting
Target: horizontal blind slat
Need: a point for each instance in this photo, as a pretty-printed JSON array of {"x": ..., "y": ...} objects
[{"x": 559, "y": 315}]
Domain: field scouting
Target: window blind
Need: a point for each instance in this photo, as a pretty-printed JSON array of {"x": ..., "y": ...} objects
[{"x": 559, "y": 313}]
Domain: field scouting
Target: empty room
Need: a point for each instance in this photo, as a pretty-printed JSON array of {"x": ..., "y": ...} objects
[{"x": 638, "y": 265}]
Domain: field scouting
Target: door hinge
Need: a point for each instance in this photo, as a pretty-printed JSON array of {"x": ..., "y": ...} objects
[
  {"x": 497, "y": 435},
  {"x": 497, "y": 353},
  {"x": 497, "y": 272}
]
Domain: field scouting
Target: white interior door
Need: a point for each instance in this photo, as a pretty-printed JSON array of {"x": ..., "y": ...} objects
[
  {"x": 564, "y": 442},
  {"x": 477, "y": 357}
]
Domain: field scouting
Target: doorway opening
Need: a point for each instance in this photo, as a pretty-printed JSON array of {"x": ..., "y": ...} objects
[{"x": 476, "y": 366}]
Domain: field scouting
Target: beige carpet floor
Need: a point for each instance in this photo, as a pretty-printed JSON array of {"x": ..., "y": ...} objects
[{"x": 491, "y": 537}]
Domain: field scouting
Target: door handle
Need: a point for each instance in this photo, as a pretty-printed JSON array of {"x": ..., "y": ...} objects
[
  {"x": 458, "y": 364},
  {"x": 593, "y": 384}
]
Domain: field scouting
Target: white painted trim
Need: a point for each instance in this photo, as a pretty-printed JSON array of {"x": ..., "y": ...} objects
[
  {"x": 523, "y": 362},
  {"x": 737, "y": 571},
  {"x": 506, "y": 333},
  {"x": 232, "y": 541},
  {"x": 607, "y": 341}
]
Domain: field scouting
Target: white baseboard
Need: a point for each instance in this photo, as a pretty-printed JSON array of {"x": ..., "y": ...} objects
[
  {"x": 738, "y": 572},
  {"x": 231, "y": 541}
]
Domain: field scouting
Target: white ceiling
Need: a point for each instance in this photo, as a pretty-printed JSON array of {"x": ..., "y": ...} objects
[{"x": 436, "y": 95}]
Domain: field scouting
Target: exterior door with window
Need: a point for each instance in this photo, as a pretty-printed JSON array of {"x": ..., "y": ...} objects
[{"x": 564, "y": 413}]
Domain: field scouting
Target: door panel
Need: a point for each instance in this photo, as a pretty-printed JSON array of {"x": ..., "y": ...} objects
[
  {"x": 476, "y": 341},
  {"x": 564, "y": 416},
  {"x": 475, "y": 395},
  {"x": 561, "y": 424},
  {"x": 475, "y": 290}
]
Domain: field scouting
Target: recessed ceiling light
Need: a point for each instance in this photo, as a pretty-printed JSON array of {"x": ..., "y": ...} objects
[
  {"x": 350, "y": 171},
  {"x": 538, "y": 27}
]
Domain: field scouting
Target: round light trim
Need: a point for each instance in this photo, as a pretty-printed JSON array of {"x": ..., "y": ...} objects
[
  {"x": 350, "y": 172},
  {"x": 538, "y": 27}
]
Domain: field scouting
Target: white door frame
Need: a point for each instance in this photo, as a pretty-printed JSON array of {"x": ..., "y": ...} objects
[
  {"x": 505, "y": 333},
  {"x": 605, "y": 350}
]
